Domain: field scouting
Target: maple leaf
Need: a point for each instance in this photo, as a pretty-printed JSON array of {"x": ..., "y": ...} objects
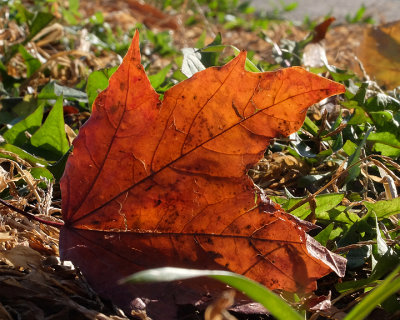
[{"x": 155, "y": 183}]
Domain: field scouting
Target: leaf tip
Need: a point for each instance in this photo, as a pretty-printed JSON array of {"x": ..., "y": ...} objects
[
  {"x": 134, "y": 48},
  {"x": 340, "y": 88},
  {"x": 135, "y": 39},
  {"x": 241, "y": 57}
]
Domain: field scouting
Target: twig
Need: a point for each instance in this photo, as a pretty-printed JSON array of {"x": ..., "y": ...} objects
[
  {"x": 354, "y": 246},
  {"x": 31, "y": 216},
  {"x": 389, "y": 242},
  {"x": 313, "y": 195}
]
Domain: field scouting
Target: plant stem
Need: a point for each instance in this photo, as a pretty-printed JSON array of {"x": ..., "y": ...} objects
[{"x": 31, "y": 216}]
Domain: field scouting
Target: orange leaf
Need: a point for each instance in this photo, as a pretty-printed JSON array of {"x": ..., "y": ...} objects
[{"x": 155, "y": 183}]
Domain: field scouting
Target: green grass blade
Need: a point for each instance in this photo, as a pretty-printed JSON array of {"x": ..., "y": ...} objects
[
  {"x": 388, "y": 287},
  {"x": 274, "y": 304}
]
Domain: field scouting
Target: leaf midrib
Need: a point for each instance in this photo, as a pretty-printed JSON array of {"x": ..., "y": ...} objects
[{"x": 154, "y": 173}]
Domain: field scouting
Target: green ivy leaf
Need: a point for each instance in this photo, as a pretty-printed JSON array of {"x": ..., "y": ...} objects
[
  {"x": 383, "y": 208},
  {"x": 324, "y": 235},
  {"x": 338, "y": 214},
  {"x": 157, "y": 79},
  {"x": 40, "y": 172},
  {"x": 98, "y": 81},
  {"x": 40, "y": 21},
  {"x": 33, "y": 160},
  {"x": 50, "y": 140},
  {"x": 16, "y": 134},
  {"x": 388, "y": 143},
  {"x": 323, "y": 203},
  {"x": 53, "y": 90}
]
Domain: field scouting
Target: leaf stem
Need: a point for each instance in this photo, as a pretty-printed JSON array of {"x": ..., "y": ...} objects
[{"x": 31, "y": 216}]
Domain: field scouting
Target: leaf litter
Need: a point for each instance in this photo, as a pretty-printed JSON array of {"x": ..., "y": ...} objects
[{"x": 34, "y": 284}]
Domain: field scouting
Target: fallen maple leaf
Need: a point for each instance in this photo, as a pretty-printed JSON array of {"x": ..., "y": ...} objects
[{"x": 155, "y": 183}]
